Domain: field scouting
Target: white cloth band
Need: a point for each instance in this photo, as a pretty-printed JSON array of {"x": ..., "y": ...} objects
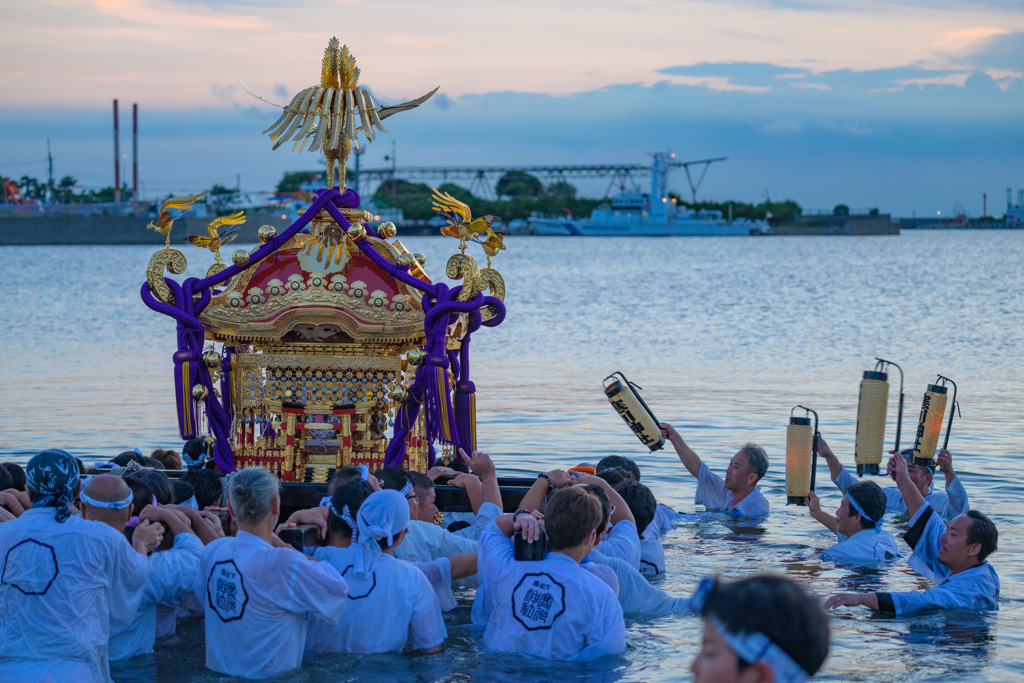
[
  {"x": 757, "y": 647},
  {"x": 112, "y": 505}
]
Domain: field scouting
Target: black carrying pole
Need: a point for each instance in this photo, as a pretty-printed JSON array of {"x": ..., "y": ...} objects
[
  {"x": 814, "y": 445},
  {"x": 954, "y": 404},
  {"x": 899, "y": 415}
]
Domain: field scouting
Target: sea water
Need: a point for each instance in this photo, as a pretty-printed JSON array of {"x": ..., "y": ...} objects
[{"x": 725, "y": 335}]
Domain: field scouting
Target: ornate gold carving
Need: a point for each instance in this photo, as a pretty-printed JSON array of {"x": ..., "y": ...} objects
[
  {"x": 173, "y": 261},
  {"x": 492, "y": 279},
  {"x": 215, "y": 268},
  {"x": 465, "y": 267}
]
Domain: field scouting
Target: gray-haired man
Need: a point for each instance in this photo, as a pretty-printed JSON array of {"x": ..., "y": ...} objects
[{"x": 737, "y": 494}]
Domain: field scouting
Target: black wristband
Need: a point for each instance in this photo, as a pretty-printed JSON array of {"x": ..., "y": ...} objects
[
  {"x": 545, "y": 475},
  {"x": 517, "y": 513}
]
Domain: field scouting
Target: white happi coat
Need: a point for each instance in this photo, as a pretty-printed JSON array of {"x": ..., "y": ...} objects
[
  {"x": 256, "y": 598},
  {"x": 712, "y": 494},
  {"x": 425, "y": 542},
  {"x": 621, "y": 541},
  {"x": 550, "y": 609},
  {"x": 652, "y": 554},
  {"x": 439, "y": 574},
  {"x": 171, "y": 575},
  {"x": 866, "y": 548},
  {"x": 976, "y": 588},
  {"x": 664, "y": 519},
  {"x": 636, "y": 594},
  {"x": 381, "y": 611},
  {"x": 62, "y": 584},
  {"x": 949, "y": 503}
]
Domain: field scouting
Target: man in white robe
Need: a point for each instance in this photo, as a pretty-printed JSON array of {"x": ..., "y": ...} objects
[
  {"x": 392, "y": 595},
  {"x": 858, "y": 527},
  {"x": 737, "y": 494},
  {"x": 552, "y": 609},
  {"x": 952, "y": 556},
  {"x": 172, "y": 573},
  {"x": 257, "y": 591},
  {"x": 63, "y": 579},
  {"x": 949, "y": 503}
]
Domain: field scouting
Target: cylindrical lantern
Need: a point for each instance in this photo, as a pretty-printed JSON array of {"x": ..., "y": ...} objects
[
  {"x": 929, "y": 424},
  {"x": 624, "y": 398},
  {"x": 799, "y": 456},
  {"x": 874, "y": 399}
]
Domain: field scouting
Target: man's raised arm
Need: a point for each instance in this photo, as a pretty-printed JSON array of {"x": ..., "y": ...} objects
[
  {"x": 897, "y": 469},
  {"x": 689, "y": 459}
]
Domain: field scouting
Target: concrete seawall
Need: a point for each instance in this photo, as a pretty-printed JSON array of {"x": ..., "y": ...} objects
[{"x": 69, "y": 229}]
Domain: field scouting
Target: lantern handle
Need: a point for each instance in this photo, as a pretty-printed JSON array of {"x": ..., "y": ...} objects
[
  {"x": 881, "y": 362},
  {"x": 814, "y": 441},
  {"x": 956, "y": 404}
]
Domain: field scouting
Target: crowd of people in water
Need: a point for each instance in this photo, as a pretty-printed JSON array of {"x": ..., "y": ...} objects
[{"x": 99, "y": 563}]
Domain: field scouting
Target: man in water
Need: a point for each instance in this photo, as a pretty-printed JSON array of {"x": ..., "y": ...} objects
[
  {"x": 737, "y": 494},
  {"x": 64, "y": 579},
  {"x": 949, "y": 504},
  {"x": 858, "y": 527},
  {"x": 550, "y": 608},
  {"x": 257, "y": 591},
  {"x": 761, "y": 628},
  {"x": 953, "y": 556}
]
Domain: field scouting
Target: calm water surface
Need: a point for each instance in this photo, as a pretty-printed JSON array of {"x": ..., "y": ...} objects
[{"x": 724, "y": 334}]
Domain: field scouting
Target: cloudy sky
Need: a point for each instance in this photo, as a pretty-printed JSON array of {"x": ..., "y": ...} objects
[{"x": 908, "y": 105}]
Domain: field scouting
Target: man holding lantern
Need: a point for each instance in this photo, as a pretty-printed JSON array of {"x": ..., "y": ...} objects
[
  {"x": 953, "y": 556},
  {"x": 737, "y": 494}
]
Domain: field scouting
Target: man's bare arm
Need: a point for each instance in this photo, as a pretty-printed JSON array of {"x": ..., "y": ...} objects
[{"x": 686, "y": 454}]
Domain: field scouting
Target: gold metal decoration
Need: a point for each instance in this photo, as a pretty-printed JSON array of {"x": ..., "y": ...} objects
[
  {"x": 215, "y": 268},
  {"x": 211, "y": 359},
  {"x": 399, "y": 394},
  {"x": 213, "y": 240},
  {"x": 464, "y": 267},
  {"x": 168, "y": 259},
  {"x": 492, "y": 280},
  {"x": 461, "y": 224},
  {"x": 267, "y": 233},
  {"x": 164, "y": 222},
  {"x": 240, "y": 257},
  {"x": 416, "y": 356},
  {"x": 387, "y": 230},
  {"x": 357, "y": 232},
  {"x": 406, "y": 260},
  {"x": 421, "y": 258},
  {"x": 494, "y": 243},
  {"x": 200, "y": 392},
  {"x": 326, "y": 115}
]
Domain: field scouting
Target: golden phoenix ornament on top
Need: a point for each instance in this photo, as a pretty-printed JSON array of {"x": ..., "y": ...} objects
[{"x": 329, "y": 116}]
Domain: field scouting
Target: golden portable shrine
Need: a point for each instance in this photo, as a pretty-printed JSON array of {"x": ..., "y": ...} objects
[{"x": 329, "y": 344}]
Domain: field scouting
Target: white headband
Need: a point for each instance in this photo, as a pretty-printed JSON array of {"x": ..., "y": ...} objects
[
  {"x": 751, "y": 647},
  {"x": 407, "y": 489},
  {"x": 112, "y": 505}
]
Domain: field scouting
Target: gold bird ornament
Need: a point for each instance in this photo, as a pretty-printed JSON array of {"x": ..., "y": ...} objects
[
  {"x": 494, "y": 243},
  {"x": 164, "y": 222},
  {"x": 461, "y": 224},
  {"x": 214, "y": 240},
  {"x": 329, "y": 116}
]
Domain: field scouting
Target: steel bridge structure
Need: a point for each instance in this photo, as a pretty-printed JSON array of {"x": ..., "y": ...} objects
[{"x": 483, "y": 179}]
